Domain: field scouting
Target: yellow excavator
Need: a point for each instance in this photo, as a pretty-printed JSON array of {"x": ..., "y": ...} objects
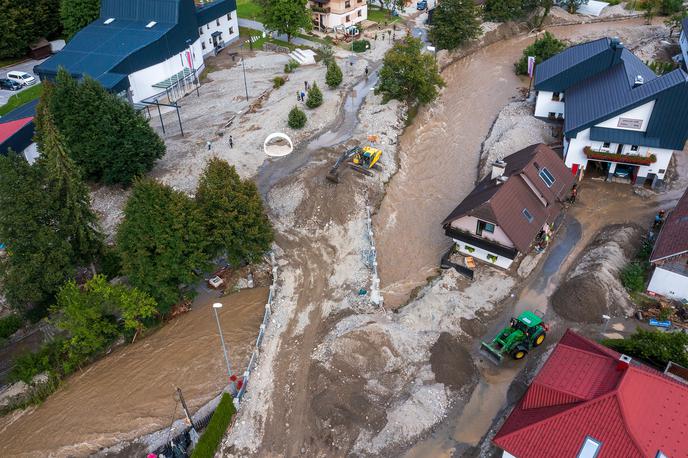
[{"x": 362, "y": 160}]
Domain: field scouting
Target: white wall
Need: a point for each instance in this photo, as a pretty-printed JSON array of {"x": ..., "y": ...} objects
[
  {"x": 481, "y": 254},
  {"x": 545, "y": 105},
  {"x": 669, "y": 284},
  {"x": 642, "y": 112},
  {"x": 228, "y": 27},
  {"x": 684, "y": 46},
  {"x": 470, "y": 225},
  {"x": 334, "y": 19}
]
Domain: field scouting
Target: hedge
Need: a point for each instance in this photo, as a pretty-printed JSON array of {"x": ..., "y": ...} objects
[{"x": 212, "y": 436}]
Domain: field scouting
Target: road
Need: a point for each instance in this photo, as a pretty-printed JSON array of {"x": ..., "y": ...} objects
[{"x": 25, "y": 66}]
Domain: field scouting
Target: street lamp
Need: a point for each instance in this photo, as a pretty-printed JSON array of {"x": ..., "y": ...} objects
[{"x": 216, "y": 306}]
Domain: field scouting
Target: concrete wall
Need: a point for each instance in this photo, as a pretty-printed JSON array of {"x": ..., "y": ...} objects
[
  {"x": 478, "y": 253},
  {"x": 470, "y": 224},
  {"x": 669, "y": 284},
  {"x": 545, "y": 105},
  {"x": 642, "y": 112}
]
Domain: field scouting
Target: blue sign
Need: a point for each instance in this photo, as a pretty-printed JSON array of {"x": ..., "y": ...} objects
[{"x": 661, "y": 324}]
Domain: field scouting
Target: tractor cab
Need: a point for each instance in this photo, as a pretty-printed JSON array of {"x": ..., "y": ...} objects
[
  {"x": 367, "y": 157},
  {"x": 523, "y": 333}
]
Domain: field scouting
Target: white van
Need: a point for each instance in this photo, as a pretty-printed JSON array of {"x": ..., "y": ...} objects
[{"x": 22, "y": 78}]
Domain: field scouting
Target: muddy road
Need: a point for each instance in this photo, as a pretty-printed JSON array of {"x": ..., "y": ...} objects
[
  {"x": 440, "y": 154},
  {"x": 131, "y": 392}
]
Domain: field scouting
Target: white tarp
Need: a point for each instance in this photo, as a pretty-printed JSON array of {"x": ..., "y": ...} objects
[{"x": 592, "y": 8}]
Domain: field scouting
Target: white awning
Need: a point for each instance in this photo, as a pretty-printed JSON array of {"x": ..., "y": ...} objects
[{"x": 592, "y": 8}]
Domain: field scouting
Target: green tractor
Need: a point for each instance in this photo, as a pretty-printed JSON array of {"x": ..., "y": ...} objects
[{"x": 522, "y": 334}]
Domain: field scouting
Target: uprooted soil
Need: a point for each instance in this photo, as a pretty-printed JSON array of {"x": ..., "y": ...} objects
[
  {"x": 451, "y": 362},
  {"x": 592, "y": 287}
]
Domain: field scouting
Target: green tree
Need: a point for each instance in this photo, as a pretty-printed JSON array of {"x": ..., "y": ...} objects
[
  {"x": 108, "y": 140},
  {"x": 543, "y": 48},
  {"x": 502, "y": 10},
  {"x": 454, "y": 23},
  {"x": 77, "y": 14},
  {"x": 675, "y": 21},
  {"x": 287, "y": 17},
  {"x": 72, "y": 212},
  {"x": 233, "y": 212},
  {"x": 655, "y": 347},
  {"x": 651, "y": 8},
  {"x": 161, "y": 241},
  {"x": 669, "y": 7},
  {"x": 315, "y": 97},
  {"x": 38, "y": 260},
  {"x": 23, "y": 22},
  {"x": 334, "y": 76},
  {"x": 297, "y": 118},
  {"x": 572, "y": 5},
  {"x": 327, "y": 54},
  {"x": 408, "y": 74}
]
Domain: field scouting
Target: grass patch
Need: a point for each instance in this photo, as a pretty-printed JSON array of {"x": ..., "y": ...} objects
[
  {"x": 11, "y": 61},
  {"x": 209, "y": 68},
  {"x": 381, "y": 16},
  {"x": 20, "y": 98},
  {"x": 314, "y": 39},
  {"x": 211, "y": 437},
  {"x": 248, "y": 9}
]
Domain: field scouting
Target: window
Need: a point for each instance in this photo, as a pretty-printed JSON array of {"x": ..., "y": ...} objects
[
  {"x": 590, "y": 448},
  {"x": 551, "y": 115},
  {"x": 348, "y": 18},
  {"x": 359, "y": 13},
  {"x": 202, "y": 44},
  {"x": 229, "y": 16},
  {"x": 555, "y": 96},
  {"x": 200, "y": 30},
  {"x": 527, "y": 214},
  {"x": 151, "y": 24},
  {"x": 217, "y": 21},
  {"x": 634, "y": 147},
  {"x": 207, "y": 26},
  {"x": 231, "y": 30},
  {"x": 546, "y": 177},
  {"x": 210, "y": 40},
  {"x": 347, "y": 4},
  {"x": 606, "y": 145},
  {"x": 484, "y": 226}
]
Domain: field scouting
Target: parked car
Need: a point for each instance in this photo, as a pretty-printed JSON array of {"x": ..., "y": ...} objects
[
  {"x": 23, "y": 78},
  {"x": 8, "y": 84},
  {"x": 623, "y": 171},
  {"x": 422, "y": 5}
]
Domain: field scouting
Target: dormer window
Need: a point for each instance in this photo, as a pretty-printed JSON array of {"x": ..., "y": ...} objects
[
  {"x": 109, "y": 21},
  {"x": 484, "y": 227},
  {"x": 151, "y": 24}
]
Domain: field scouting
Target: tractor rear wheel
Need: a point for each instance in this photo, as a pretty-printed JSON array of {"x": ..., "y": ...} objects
[
  {"x": 539, "y": 339},
  {"x": 519, "y": 353}
]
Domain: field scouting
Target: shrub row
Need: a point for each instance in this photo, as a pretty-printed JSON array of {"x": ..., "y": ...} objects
[{"x": 211, "y": 437}]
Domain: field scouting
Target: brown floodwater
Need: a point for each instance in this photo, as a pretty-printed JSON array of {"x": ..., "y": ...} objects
[
  {"x": 131, "y": 392},
  {"x": 439, "y": 155}
]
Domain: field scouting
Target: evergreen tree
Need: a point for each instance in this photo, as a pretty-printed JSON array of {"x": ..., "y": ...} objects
[
  {"x": 233, "y": 212},
  {"x": 408, "y": 74},
  {"x": 103, "y": 134},
  {"x": 503, "y": 10},
  {"x": 297, "y": 118},
  {"x": 287, "y": 17},
  {"x": 315, "y": 97},
  {"x": 454, "y": 23},
  {"x": 69, "y": 196},
  {"x": 334, "y": 76},
  {"x": 23, "y": 22},
  {"x": 38, "y": 259},
  {"x": 77, "y": 14},
  {"x": 161, "y": 241}
]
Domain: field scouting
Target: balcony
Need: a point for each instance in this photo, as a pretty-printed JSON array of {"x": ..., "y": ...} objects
[
  {"x": 615, "y": 157},
  {"x": 487, "y": 245},
  {"x": 321, "y": 9}
]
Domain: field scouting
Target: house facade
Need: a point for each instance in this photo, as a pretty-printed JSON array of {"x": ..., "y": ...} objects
[
  {"x": 335, "y": 14},
  {"x": 683, "y": 41},
  {"x": 670, "y": 255},
  {"x": 588, "y": 401},
  {"x": 620, "y": 119},
  {"x": 145, "y": 48},
  {"x": 503, "y": 215}
]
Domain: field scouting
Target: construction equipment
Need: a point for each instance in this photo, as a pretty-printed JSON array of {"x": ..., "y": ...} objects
[
  {"x": 362, "y": 160},
  {"x": 522, "y": 334}
]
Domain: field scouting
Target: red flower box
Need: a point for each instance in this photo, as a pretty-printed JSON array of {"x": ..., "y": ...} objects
[{"x": 625, "y": 158}]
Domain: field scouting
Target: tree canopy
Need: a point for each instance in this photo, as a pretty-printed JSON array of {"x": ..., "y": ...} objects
[
  {"x": 109, "y": 141},
  {"x": 287, "y": 17},
  {"x": 233, "y": 214},
  {"x": 77, "y": 14},
  {"x": 161, "y": 240},
  {"x": 23, "y": 22},
  {"x": 655, "y": 347},
  {"x": 503, "y": 10},
  {"x": 542, "y": 49},
  {"x": 454, "y": 23},
  {"x": 333, "y": 77},
  {"x": 408, "y": 74}
]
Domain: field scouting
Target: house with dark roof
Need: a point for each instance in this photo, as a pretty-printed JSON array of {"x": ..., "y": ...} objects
[
  {"x": 142, "y": 48},
  {"x": 507, "y": 210},
  {"x": 670, "y": 254},
  {"x": 16, "y": 131},
  {"x": 683, "y": 40},
  {"x": 620, "y": 120},
  {"x": 588, "y": 401}
]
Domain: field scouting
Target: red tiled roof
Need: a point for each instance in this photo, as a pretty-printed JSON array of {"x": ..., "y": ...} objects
[
  {"x": 673, "y": 238},
  {"x": 7, "y": 129},
  {"x": 579, "y": 393}
]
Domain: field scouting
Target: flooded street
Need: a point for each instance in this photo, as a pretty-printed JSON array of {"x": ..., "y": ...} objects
[{"x": 131, "y": 392}]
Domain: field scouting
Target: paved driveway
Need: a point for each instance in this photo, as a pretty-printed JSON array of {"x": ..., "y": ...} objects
[{"x": 25, "y": 66}]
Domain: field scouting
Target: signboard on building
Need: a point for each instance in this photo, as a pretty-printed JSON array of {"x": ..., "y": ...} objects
[{"x": 630, "y": 123}]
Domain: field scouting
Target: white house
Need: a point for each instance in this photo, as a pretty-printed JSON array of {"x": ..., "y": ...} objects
[
  {"x": 334, "y": 14},
  {"x": 670, "y": 255},
  {"x": 620, "y": 119},
  {"x": 145, "y": 48},
  {"x": 683, "y": 41},
  {"x": 507, "y": 210}
]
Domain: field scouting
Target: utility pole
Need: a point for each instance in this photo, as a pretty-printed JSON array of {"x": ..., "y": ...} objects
[
  {"x": 186, "y": 409},
  {"x": 216, "y": 306},
  {"x": 244, "y": 68}
]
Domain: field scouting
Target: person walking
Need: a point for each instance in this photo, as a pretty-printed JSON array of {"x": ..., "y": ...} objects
[
  {"x": 303, "y": 96},
  {"x": 366, "y": 72},
  {"x": 298, "y": 95},
  {"x": 209, "y": 145},
  {"x": 231, "y": 142}
]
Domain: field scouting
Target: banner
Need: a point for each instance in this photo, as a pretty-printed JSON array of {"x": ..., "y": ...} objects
[{"x": 531, "y": 65}]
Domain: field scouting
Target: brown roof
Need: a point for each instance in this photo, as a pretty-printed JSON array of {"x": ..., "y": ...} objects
[
  {"x": 673, "y": 238},
  {"x": 503, "y": 204}
]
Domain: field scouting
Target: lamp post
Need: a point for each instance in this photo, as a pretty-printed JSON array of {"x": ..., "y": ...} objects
[
  {"x": 216, "y": 306},
  {"x": 245, "y": 85}
]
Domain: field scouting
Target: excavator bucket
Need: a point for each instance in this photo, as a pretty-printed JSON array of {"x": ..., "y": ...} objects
[
  {"x": 492, "y": 354},
  {"x": 332, "y": 176}
]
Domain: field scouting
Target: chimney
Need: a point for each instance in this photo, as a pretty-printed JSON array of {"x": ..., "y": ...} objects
[
  {"x": 639, "y": 80},
  {"x": 501, "y": 179},
  {"x": 623, "y": 363},
  {"x": 616, "y": 45},
  {"x": 498, "y": 168}
]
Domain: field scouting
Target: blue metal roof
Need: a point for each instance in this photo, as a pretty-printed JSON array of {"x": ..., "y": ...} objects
[
  {"x": 572, "y": 65},
  {"x": 623, "y": 136},
  {"x": 27, "y": 110},
  {"x": 214, "y": 9}
]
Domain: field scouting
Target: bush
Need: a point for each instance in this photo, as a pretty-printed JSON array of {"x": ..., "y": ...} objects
[
  {"x": 655, "y": 347},
  {"x": 334, "y": 76},
  {"x": 277, "y": 82},
  {"x": 315, "y": 97},
  {"x": 290, "y": 66},
  {"x": 211, "y": 437},
  {"x": 9, "y": 325},
  {"x": 543, "y": 48},
  {"x": 326, "y": 54},
  {"x": 660, "y": 68},
  {"x": 46, "y": 359},
  {"x": 633, "y": 277},
  {"x": 360, "y": 45},
  {"x": 297, "y": 118},
  {"x": 110, "y": 262}
]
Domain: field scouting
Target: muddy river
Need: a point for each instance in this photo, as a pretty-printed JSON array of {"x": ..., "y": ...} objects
[
  {"x": 440, "y": 154},
  {"x": 131, "y": 392}
]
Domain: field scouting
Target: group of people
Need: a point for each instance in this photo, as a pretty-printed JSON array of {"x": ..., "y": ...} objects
[{"x": 301, "y": 95}]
